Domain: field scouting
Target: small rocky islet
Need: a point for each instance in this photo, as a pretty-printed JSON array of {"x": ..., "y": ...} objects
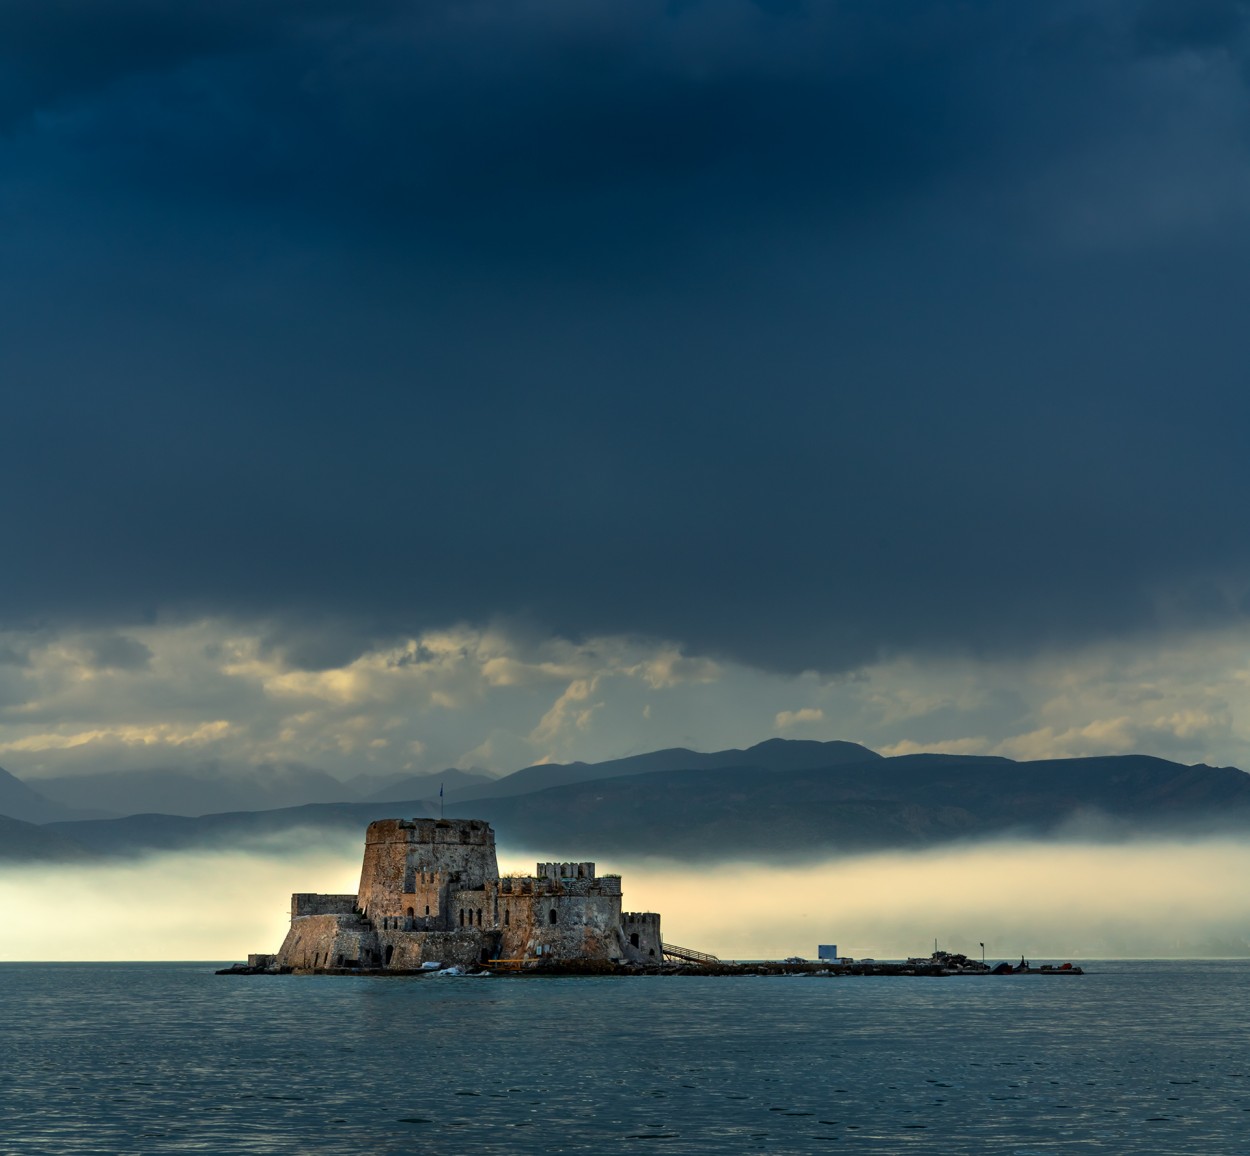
[{"x": 431, "y": 901}]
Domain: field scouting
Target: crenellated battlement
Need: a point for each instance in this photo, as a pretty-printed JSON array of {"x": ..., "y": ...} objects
[
  {"x": 564, "y": 885},
  {"x": 434, "y": 832},
  {"x": 307, "y": 903},
  {"x": 557, "y": 871}
]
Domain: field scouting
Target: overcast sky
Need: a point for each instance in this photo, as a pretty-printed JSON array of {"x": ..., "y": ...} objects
[{"x": 393, "y": 385}]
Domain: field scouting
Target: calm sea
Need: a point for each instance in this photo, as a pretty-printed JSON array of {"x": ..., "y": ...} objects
[{"x": 1132, "y": 1057}]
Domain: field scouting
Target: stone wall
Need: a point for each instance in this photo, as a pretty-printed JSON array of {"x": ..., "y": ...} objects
[
  {"x": 307, "y": 903},
  {"x": 427, "y": 898},
  {"x": 640, "y": 931},
  {"x": 561, "y": 926},
  {"x": 474, "y": 909},
  {"x": 329, "y": 941},
  {"x": 398, "y": 852},
  {"x": 400, "y": 950},
  {"x": 528, "y": 885}
]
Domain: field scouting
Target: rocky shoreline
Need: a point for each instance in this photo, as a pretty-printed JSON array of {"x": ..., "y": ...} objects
[{"x": 939, "y": 966}]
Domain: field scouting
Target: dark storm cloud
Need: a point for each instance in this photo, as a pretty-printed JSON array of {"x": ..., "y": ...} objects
[
  {"x": 1169, "y": 25},
  {"x": 11, "y": 657},
  {"x": 117, "y": 652},
  {"x": 796, "y": 332}
]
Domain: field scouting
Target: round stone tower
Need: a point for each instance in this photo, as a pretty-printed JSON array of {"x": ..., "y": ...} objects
[{"x": 411, "y": 865}]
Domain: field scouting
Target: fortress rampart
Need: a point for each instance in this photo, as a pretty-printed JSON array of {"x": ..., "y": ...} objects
[
  {"x": 430, "y": 890},
  {"x": 303, "y": 903}
]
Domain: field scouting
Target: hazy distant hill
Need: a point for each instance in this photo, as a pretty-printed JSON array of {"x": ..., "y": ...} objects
[
  {"x": 202, "y": 789},
  {"x": 138, "y": 834},
  {"x": 771, "y": 755},
  {"x": 214, "y": 788},
  {"x": 912, "y": 801},
  {"x": 26, "y": 842},
  {"x": 19, "y": 801},
  {"x": 427, "y": 786},
  {"x": 735, "y": 811}
]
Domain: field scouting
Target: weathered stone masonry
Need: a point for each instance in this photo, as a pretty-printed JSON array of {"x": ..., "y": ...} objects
[{"x": 430, "y": 890}]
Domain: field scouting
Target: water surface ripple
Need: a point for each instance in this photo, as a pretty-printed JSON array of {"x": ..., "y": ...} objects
[{"x": 1131, "y": 1058}]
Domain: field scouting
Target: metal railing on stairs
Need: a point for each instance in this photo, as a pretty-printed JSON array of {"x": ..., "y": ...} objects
[{"x": 686, "y": 954}]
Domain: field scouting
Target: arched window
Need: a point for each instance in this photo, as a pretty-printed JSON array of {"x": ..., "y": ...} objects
[
  {"x": 506, "y": 917},
  {"x": 427, "y": 909},
  {"x": 552, "y": 917},
  {"x": 479, "y": 917},
  {"x": 633, "y": 939},
  {"x": 411, "y": 912},
  {"x": 462, "y": 917}
]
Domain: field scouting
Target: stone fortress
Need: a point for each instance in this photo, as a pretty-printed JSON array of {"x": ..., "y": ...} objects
[{"x": 430, "y": 891}]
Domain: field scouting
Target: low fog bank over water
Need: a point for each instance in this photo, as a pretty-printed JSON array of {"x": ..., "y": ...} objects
[
  {"x": 1042, "y": 900},
  {"x": 1157, "y": 899},
  {"x": 169, "y": 907}
]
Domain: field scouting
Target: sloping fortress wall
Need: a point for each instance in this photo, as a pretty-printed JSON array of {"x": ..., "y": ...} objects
[{"x": 430, "y": 890}]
